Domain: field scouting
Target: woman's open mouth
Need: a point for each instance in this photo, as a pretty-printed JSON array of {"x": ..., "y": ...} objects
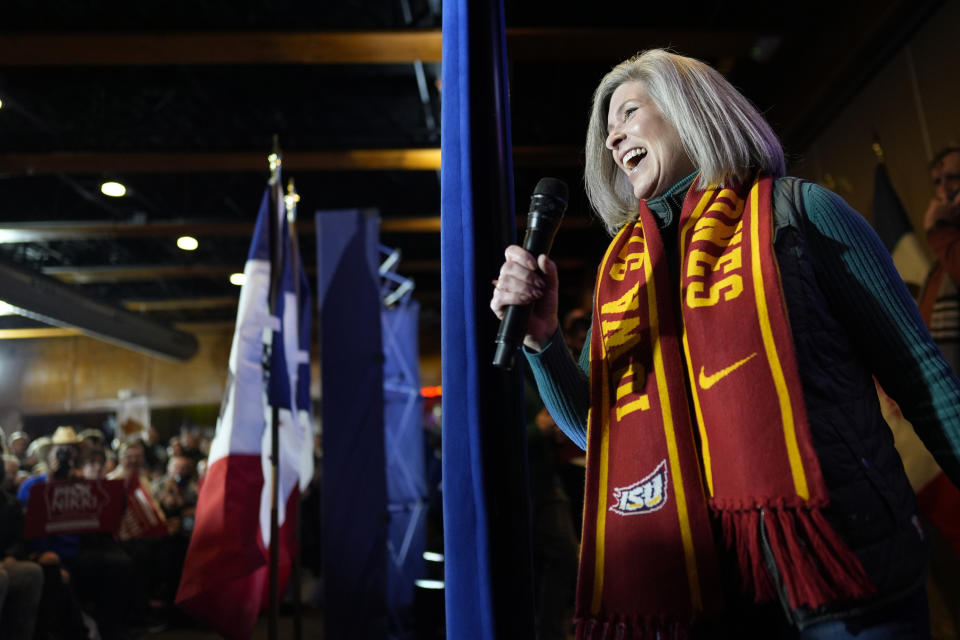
[{"x": 633, "y": 157}]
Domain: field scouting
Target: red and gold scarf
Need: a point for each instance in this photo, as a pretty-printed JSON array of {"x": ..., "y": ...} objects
[{"x": 647, "y": 560}]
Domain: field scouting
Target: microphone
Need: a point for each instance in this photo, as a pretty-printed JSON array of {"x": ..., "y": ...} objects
[{"x": 547, "y": 205}]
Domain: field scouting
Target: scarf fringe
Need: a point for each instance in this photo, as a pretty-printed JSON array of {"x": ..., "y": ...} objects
[
  {"x": 741, "y": 531},
  {"x": 632, "y": 628},
  {"x": 814, "y": 564}
]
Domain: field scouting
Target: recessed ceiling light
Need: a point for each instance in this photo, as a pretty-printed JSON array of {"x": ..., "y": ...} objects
[
  {"x": 1, "y": 104},
  {"x": 187, "y": 243},
  {"x": 237, "y": 279},
  {"x": 113, "y": 189}
]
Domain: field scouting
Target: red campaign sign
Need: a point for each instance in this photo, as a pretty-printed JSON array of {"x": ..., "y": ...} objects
[
  {"x": 143, "y": 517},
  {"x": 73, "y": 506}
]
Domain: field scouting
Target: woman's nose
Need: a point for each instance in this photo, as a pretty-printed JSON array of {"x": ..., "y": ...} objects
[{"x": 614, "y": 138}]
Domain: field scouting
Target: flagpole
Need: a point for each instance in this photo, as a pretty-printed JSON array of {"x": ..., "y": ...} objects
[
  {"x": 290, "y": 202},
  {"x": 877, "y": 148},
  {"x": 275, "y": 278}
]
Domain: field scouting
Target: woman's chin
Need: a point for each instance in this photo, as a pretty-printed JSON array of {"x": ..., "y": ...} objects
[
  {"x": 644, "y": 189},
  {"x": 644, "y": 193}
]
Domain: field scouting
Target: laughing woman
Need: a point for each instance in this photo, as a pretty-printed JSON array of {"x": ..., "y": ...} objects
[{"x": 741, "y": 481}]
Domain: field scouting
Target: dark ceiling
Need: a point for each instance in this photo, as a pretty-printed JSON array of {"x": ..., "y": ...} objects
[{"x": 180, "y": 101}]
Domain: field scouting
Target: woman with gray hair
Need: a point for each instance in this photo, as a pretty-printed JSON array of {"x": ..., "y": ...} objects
[{"x": 741, "y": 481}]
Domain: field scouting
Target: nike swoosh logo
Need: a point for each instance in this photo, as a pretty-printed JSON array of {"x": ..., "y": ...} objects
[{"x": 707, "y": 381}]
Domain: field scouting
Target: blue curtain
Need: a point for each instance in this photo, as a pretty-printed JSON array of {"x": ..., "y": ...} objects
[
  {"x": 354, "y": 499},
  {"x": 485, "y": 504}
]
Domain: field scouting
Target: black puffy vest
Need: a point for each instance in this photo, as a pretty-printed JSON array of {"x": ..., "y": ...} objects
[{"x": 872, "y": 505}]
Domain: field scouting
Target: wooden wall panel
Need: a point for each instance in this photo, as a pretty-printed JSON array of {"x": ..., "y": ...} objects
[
  {"x": 199, "y": 381},
  {"x": 102, "y": 370},
  {"x": 56, "y": 375},
  {"x": 66, "y": 374},
  {"x": 12, "y": 363},
  {"x": 37, "y": 373}
]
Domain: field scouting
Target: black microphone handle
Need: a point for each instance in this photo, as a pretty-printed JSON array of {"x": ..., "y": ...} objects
[
  {"x": 516, "y": 315},
  {"x": 541, "y": 230}
]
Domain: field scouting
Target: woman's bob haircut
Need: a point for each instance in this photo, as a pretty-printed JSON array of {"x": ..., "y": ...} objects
[{"x": 722, "y": 133}]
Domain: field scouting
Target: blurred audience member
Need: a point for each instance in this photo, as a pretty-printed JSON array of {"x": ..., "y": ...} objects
[
  {"x": 111, "y": 462},
  {"x": 190, "y": 440},
  {"x": 136, "y": 536},
  {"x": 156, "y": 454},
  {"x": 203, "y": 443},
  {"x": 93, "y": 464},
  {"x": 132, "y": 461},
  {"x": 177, "y": 494},
  {"x": 11, "y": 479},
  {"x": 90, "y": 439},
  {"x": 576, "y": 325},
  {"x": 21, "y": 582},
  {"x": 36, "y": 453},
  {"x": 175, "y": 447},
  {"x": 99, "y": 571},
  {"x": 17, "y": 444}
]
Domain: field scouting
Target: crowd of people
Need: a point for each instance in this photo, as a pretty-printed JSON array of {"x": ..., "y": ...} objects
[{"x": 106, "y": 584}]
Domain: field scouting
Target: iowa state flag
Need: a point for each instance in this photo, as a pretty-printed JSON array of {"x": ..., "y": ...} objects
[
  {"x": 893, "y": 226},
  {"x": 225, "y": 574}
]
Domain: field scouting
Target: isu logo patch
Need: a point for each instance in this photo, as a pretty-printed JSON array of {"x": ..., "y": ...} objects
[{"x": 644, "y": 496}]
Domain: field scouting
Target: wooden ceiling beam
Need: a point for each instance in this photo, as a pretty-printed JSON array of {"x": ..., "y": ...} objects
[
  {"x": 150, "y": 48},
  {"x": 349, "y": 47},
  {"x": 32, "y": 333},
  {"x": 17, "y": 232},
  {"x": 181, "y": 304},
  {"x": 90, "y": 275},
  {"x": 65, "y": 332},
  {"x": 147, "y": 162},
  {"x": 426, "y": 159}
]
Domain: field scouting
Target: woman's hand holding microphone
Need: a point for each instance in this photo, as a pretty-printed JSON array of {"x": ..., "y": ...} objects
[{"x": 525, "y": 280}]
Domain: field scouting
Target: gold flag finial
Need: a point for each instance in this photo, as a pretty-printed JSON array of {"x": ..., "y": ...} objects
[
  {"x": 274, "y": 160},
  {"x": 291, "y": 200}
]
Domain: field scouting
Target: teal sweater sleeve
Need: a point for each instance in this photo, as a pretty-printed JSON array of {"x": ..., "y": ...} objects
[
  {"x": 564, "y": 385},
  {"x": 867, "y": 295}
]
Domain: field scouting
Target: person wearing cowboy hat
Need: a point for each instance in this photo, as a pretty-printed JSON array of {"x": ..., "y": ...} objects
[
  {"x": 36, "y": 453},
  {"x": 17, "y": 443},
  {"x": 62, "y": 457},
  {"x": 97, "y": 567}
]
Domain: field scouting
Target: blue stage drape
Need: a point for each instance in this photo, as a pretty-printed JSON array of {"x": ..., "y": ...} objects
[
  {"x": 406, "y": 471},
  {"x": 485, "y": 503},
  {"x": 354, "y": 500}
]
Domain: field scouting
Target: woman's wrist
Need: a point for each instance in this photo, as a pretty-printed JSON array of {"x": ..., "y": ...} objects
[{"x": 540, "y": 340}]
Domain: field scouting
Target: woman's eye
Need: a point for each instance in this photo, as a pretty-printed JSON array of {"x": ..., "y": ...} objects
[{"x": 628, "y": 112}]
